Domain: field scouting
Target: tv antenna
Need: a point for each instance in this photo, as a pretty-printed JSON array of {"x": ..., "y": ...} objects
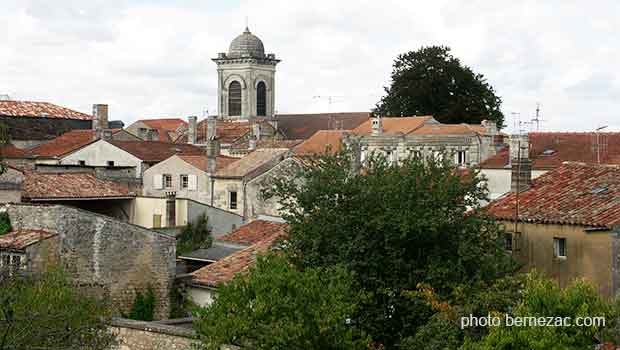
[
  {"x": 330, "y": 100},
  {"x": 537, "y": 119}
]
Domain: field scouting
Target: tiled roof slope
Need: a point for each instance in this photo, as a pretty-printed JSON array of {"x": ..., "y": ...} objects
[
  {"x": 40, "y": 186},
  {"x": 22, "y": 238},
  {"x": 450, "y": 129},
  {"x": 39, "y": 109},
  {"x": 563, "y": 147},
  {"x": 156, "y": 151},
  {"x": 168, "y": 124},
  {"x": 322, "y": 141},
  {"x": 302, "y": 126},
  {"x": 254, "y": 232},
  {"x": 224, "y": 270},
  {"x": 10, "y": 151},
  {"x": 252, "y": 162},
  {"x": 392, "y": 125},
  {"x": 574, "y": 193},
  {"x": 227, "y": 131},
  {"x": 200, "y": 162},
  {"x": 65, "y": 143}
]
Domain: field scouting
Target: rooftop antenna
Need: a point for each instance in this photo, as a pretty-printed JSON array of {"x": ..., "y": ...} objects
[
  {"x": 537, "y": 119},
  {"x": 598, "y": 143},
  {"x": 330, "y": 99}
]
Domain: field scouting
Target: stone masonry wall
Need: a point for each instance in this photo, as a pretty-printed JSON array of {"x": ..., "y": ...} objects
[
  {"x": 138, "y": 335},
  {"x": 106, "y": 256}
]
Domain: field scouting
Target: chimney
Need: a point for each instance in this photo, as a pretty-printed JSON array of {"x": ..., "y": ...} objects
[
  {"x": 256, "y": 131},
  {"x": 100, "y": 120},
  {"x": 191, "y": 129},
  {"x": 521, "y": 165},
  {"x": 211, "y": 128},
  {"x": 377, "y": 126},
  {"x": 490, "y": 127},
  {"x": 171, "y": 210},
  {"x": 252, "y": 144}
]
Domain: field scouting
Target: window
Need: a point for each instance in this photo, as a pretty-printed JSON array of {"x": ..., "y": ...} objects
[
  {"x": 156, "y": 220},
  {"x": 110, "y": 163},
  {"x": 460, "y": 158},
  {"x": 234, "y": 99},
  {"x": 261, "y": 99},
  {"x": 82, "y": 162},
  {"x": 167, "y": 180},
  {"x": 416, "y": 154},
  {"x": 184, "y": 181},
  {"x": 232, "y": 200},
  {"x": 559, "y": 247},
  {"x": 12, "y": 261},
  {"x": 508, "y": 241}
]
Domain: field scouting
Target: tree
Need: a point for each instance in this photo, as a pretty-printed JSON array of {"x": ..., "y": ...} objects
[
  {"x": 542, "y": 297},
  {"x": 394, "y": 227},
  {"x": 430, "y": 81},
  {"x": 277, "y": 306},
  {"x": 47, "y": 312},
  {"x": 194, "y": 236}
]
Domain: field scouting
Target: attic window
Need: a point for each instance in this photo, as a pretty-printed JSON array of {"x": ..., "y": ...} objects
[
  {"x": 548, "y": 152},
  {"x": 599, "y": 190}
]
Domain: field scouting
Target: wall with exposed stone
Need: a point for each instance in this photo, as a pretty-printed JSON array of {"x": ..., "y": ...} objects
[
  {"x": 111, "y": 258},
  {"x": 139, "y": 335}
]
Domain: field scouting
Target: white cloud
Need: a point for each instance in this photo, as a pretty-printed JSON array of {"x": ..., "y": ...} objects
[{"x": 152, "y": 58}]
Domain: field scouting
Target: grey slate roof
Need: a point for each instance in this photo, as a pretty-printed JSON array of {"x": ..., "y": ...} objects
[
  {"x": 212, "y": 254},
  {"x": 246, "y": 45}
]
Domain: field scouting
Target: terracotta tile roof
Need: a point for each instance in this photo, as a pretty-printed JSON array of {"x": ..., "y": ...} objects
[
  {"x": 22, "y": 238},
  {"x": 65, "y": 143},
  {"x": 394, "y": 125},
  {"x": 200, "y": 162},
  {"x": 449, "y": 129},
  {"x": 40, "y": 186},
  {"x": 156, "y": 151},
  {"x": 168, "y": 124},
  {"x": 322, "y": 141},
  {"x": 227, "y": 131},
  {"x": 574, "y": 193},
  {"x": 252, "y": 163},
  {"x": 39, "y": 109},
  {"x": 254, "y": 232},
  {"x": 549, "y": 149},
  {"x": 302, "y": 126},
  {"x": 243, "y": 146},
  {"x": 500, "y": 160},
  {"x": 224, "y": 270},
  {"x": 10, "y": 151}
]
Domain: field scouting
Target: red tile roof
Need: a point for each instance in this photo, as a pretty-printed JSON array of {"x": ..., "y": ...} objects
[
  {"x": 65, "y": 143},
  {"x": 227, "y": 131},
  {"x": 302, "y": 126},
  {"x": 498, "y": 161},
  {"x": 38, "y": 110},
  {"x": 574, "y": 193},
  {"x": 323, "y": 141},
  {"x": 254, "y": 232},
  {"x": 168, "y": 124},
  {"x": 392, "y": 125},
  {"x": 40, "y": 186},
  {"x": 10, "y": 151},
  {"x": 450, "y": 129},
  {"x": 22, "y": 238},
  {"x": 243, "y": 146},
  {"x": 224, "y": 270},
  {"x": 562, "y": 147},
  {"x": 200, "y": 162},
  {"x": 156, "y": 151}
]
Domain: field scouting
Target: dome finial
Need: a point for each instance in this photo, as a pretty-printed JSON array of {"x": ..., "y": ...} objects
[{"x": 247, "y": 26}]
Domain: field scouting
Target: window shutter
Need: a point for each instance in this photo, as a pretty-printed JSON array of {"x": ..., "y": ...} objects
[
  {"x": 158, "y": 181},
  {"x": 191, "y": 182}
]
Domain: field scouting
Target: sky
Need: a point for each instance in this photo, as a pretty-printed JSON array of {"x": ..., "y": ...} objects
[{"x": 153, "y": 58}]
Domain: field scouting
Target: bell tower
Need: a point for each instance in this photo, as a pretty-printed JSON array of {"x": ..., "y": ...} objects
[{"x": 246, "y": 79}]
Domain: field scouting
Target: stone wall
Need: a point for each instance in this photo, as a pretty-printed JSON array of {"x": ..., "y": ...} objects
[
  {"x": 112, "y": 258},
  {"x": 138, "y": 335}
]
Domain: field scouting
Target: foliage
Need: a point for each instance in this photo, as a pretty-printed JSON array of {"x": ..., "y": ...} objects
[
  {"x": 543, "y": 298},
  {"x": 180, "y": 305},
  {"x": 430, "y": 81},
  {"x": 47, "y": 312},
  {"x": 194, "y": 236},
  {"x": 143, "y": 308},
  {"x": 277, "y": 306},
  {"x": 395, "y": 227},
  {"x": 5, "y": 223}
]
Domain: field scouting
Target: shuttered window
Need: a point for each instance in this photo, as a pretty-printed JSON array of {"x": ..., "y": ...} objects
[
  {"x": 158, "y": 182},
  {"x": 234, "y": 99}
]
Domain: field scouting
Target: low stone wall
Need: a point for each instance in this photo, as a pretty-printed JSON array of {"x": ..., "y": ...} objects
[{"x": 140, "y": 335}]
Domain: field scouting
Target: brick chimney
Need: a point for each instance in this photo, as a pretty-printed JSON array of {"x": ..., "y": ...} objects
[
  {"x": 100, "y": 121},
  {"x": 171, "y": 210},
  {"x": 521, "y": 165},
  {"x": 191, "y": 129}
]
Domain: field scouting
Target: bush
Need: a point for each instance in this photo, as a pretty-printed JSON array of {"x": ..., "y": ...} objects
[
  {"x": 5, "y": 223},
  {"x": 143, "y": 308},
  {"x": 196, "y": 235}
]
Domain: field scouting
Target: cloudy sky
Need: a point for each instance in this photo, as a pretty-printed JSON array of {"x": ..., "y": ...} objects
[{"x": 153, "y": 58}]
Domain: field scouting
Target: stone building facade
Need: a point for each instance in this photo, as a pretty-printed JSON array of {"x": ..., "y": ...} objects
[
  {"x": 246, "y": 79},
  {"x": 105, "y": 256}
]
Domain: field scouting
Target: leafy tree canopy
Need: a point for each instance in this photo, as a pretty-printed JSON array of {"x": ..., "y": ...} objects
[
  {"x": 277, "y": 306},
  {"x": 430, "y": 81},
  {"x": 48, "y": 312},
  {"x": 394, "y": 227}
]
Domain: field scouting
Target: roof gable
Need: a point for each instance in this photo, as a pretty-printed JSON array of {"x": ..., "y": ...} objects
[{"x": 155, "y": 151}]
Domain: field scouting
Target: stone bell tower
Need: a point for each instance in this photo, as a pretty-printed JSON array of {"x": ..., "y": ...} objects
[{"x": 246, "y": 79}]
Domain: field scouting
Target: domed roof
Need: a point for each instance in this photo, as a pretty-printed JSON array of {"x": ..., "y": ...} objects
[{"x": 246, "y": 44}]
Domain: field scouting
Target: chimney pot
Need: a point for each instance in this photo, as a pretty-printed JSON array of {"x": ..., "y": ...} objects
[
  {"x": 521, "y": 165},
  {"x": 191, "y": 129}
]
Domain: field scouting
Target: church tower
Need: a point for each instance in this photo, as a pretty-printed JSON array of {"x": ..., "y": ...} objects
[{"x": 246, "y": 79}]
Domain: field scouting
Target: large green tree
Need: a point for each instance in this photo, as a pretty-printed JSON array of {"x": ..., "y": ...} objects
[
  {"x": 276, "y": 306},
  {"x": 430, "y": 81},
  {"x": 47, "y": 312},
  {"x": 396, "y": 226}
]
